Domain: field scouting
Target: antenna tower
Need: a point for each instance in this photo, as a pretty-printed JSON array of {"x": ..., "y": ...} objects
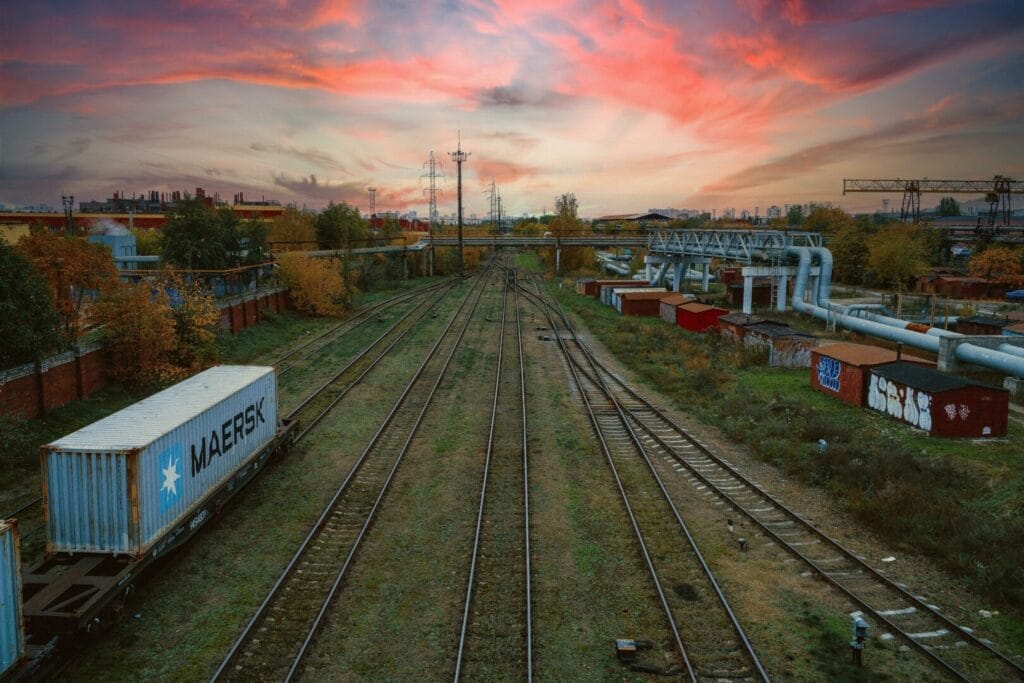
[
  {"x": 492, "y": 213},
  {"x": 459, "y": 157},
  {"x": 373, "y": 201}
]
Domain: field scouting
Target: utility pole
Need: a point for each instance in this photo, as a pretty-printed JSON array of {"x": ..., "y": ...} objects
[
  {"x": 373, "y": 201},
  {"x": 459, "y": 157},
  {"x": 69, "y": 206}
]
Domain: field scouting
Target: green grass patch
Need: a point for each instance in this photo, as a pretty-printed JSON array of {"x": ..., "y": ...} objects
[{"x": 956, "y": 500}]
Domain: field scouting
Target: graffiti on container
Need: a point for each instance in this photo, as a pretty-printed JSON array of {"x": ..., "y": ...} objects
[
  {"x": 953, "y": 410},
  {"x": 901, "y": 402},
  {"x": 828, "y": 373}
]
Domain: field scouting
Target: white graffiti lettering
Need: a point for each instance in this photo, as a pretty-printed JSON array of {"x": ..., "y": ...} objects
[
  {"x": 913, "y": 407},
  {"x": 950, "y": 411}
]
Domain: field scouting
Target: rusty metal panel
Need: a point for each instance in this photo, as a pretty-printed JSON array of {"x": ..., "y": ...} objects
[
  {"x": 12, "y": 629},
  {"x": 121, "y": 483},
  {"x": 841, "y": 380}
]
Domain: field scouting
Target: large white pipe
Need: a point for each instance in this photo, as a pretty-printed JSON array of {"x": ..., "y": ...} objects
[{"x": 1006, "y": 359}]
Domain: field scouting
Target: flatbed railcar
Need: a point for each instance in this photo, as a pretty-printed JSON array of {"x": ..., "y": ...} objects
[{"x": 74, "y": 591}]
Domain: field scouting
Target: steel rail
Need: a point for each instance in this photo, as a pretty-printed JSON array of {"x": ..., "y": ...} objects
[
  {"x": 526, "y": 481},
  {"x": 304, "y": 428},
  {"x": 645, "y": 553},
  {"x": 847, "y": 554},
  {"x": 362, "y": 316},
  {"x": 483, "y": 486},
  {"x": 261, "y": 612},
  {"x": 621, "y": 412},
  {"x": 27, "y": 506}
]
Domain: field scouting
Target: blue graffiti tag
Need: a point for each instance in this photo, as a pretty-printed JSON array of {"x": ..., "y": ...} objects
[{"x": 828, "y": 373}]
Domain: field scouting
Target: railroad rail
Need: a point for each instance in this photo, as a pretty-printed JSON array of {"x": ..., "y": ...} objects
[
  {"x": 905, "y": 614},
  {"x": 310, "y": 346},
  {"x": 496, "y": 638},
  {"x": 276, "y": 640},
  {"x": 706, "y": 633}
]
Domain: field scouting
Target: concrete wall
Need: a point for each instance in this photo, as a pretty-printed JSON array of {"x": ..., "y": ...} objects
[{"x": 31, "y": 390}]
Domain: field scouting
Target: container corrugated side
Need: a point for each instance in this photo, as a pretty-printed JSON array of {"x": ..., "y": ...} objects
[
  {"x": 12, "y": 631},
  {"x": 121, "y": 501}
]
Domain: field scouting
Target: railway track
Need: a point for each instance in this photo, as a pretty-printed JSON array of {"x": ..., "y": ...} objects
[
  {"x": 296, "y": 358},
  {"x": 895, "y": 609},
  {"x": 496, "y": 638},
  {"x": 706, "y": 635},
  {"x": 276, "y": 640}
]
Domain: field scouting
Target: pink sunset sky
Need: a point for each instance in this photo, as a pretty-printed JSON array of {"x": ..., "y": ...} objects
[{"x": 631, "y": 105}]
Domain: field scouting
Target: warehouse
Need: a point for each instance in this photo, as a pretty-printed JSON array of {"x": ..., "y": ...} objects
[
  {"x": 669, "y": 303},
  {"x": 698, "y": 317},
  {"x": 843, "y": 370},
  {"x": 940, "y": 404}
]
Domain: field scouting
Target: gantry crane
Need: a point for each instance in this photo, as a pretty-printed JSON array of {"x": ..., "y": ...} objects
[{"x": 997, "y": 193}]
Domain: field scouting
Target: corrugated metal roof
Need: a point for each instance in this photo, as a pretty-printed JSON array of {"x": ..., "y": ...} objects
[
  {"x": 862, "y": 354},
  {"x": 1016, "y": 327},
  {"x": 141, "y": 423},
  {"x": 696, "y": 307},
  {"x": 927, "y": 379},
  {"x": 646, "y": 294},
  {"x": 774, "y": 329},
  {"x": 675, "y": 299},
  {"x": 741, "y": 319}
]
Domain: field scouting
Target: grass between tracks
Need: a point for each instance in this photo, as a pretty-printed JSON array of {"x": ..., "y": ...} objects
[
  {"x": 186, "y": 616},
  {"x": 959, "y": 501}
]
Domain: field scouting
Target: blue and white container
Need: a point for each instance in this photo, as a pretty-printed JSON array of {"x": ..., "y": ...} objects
[
  {"x": 12, "y": 630},
  {"x": 120, "y": 484}
]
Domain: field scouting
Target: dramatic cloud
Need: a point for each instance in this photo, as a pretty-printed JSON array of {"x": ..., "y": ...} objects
[{"x": 624, "y": 102}]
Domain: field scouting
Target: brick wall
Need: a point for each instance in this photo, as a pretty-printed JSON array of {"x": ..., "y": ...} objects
[{"x": 33, "y": 389}]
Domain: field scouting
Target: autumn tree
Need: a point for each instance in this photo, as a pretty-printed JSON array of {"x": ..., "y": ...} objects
[
  {"x": 896, "y": 254},
  {"x": 29, "y": 325},
  {"x": 850, "y": 253},
  {"x": 292, "y": 230},
  {"x": 339, "y": 226},
  {"x": 316, "y": 284},
  {"x": 948, "y": 207},
  {"x": 828, "y": 220},
  {"x": 148, "y": 242},
  {"x": 1001, "y": 263},
  {"x": 196, "y": 317},
  {"x": 74, "y": 270},
  {"x": 795, "y": 215},
  {"x": 138, "y": 330}
]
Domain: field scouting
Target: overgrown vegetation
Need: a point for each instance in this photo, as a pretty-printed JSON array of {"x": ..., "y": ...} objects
[{"x": 957, "y": 501}]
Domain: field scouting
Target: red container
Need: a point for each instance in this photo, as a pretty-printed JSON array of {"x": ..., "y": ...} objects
[
  {"x": 940, "y": 404},
  {"x": 698, "y": 317},
  {"x": 593, "y": 288},
  {"x": 842, "y": 370},
  {"x": 669, "y": 303},
  {"x": 641, "y": 303}
]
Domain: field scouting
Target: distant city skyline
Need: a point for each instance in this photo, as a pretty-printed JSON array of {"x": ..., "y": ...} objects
[{"x": 629, "y": 104}]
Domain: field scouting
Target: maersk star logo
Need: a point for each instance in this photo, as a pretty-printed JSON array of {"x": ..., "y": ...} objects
[{"x": 168, "y": 475}]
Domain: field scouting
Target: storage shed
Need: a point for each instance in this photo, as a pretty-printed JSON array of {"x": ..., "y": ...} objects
[
  {"x": 982, "y": 324},
  {"x": 734, "y": 326},
  {"x": 643, "y": 303},
  {"x": 605, "y": 290},
  {"x": 698, "y": 317},
  {"x": 616, "y": 293},
  {"x": 940, "y": 404},
  {"x": 668, "y": 305},
  {"x": 592, "y": 287},
  {"x": 787, "y": 348},
  {"x": 843, "y": 370}
]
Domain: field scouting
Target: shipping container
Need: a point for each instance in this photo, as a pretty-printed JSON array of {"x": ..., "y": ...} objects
[
  {"x": 645, "y": 303},
  {"x": 615, "y": 299},
  {"x": 593, "y": 287},
  {"x": 938, "y": 403},
  {"x": 668, "y": 303},
  {"x": 698, "y": 317},
  {"x": 120, "y": 484},
  {"x": 12, "y": 630},
  {"x": 842, "y": 370},
  {"x": 607, "y": 291}
]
